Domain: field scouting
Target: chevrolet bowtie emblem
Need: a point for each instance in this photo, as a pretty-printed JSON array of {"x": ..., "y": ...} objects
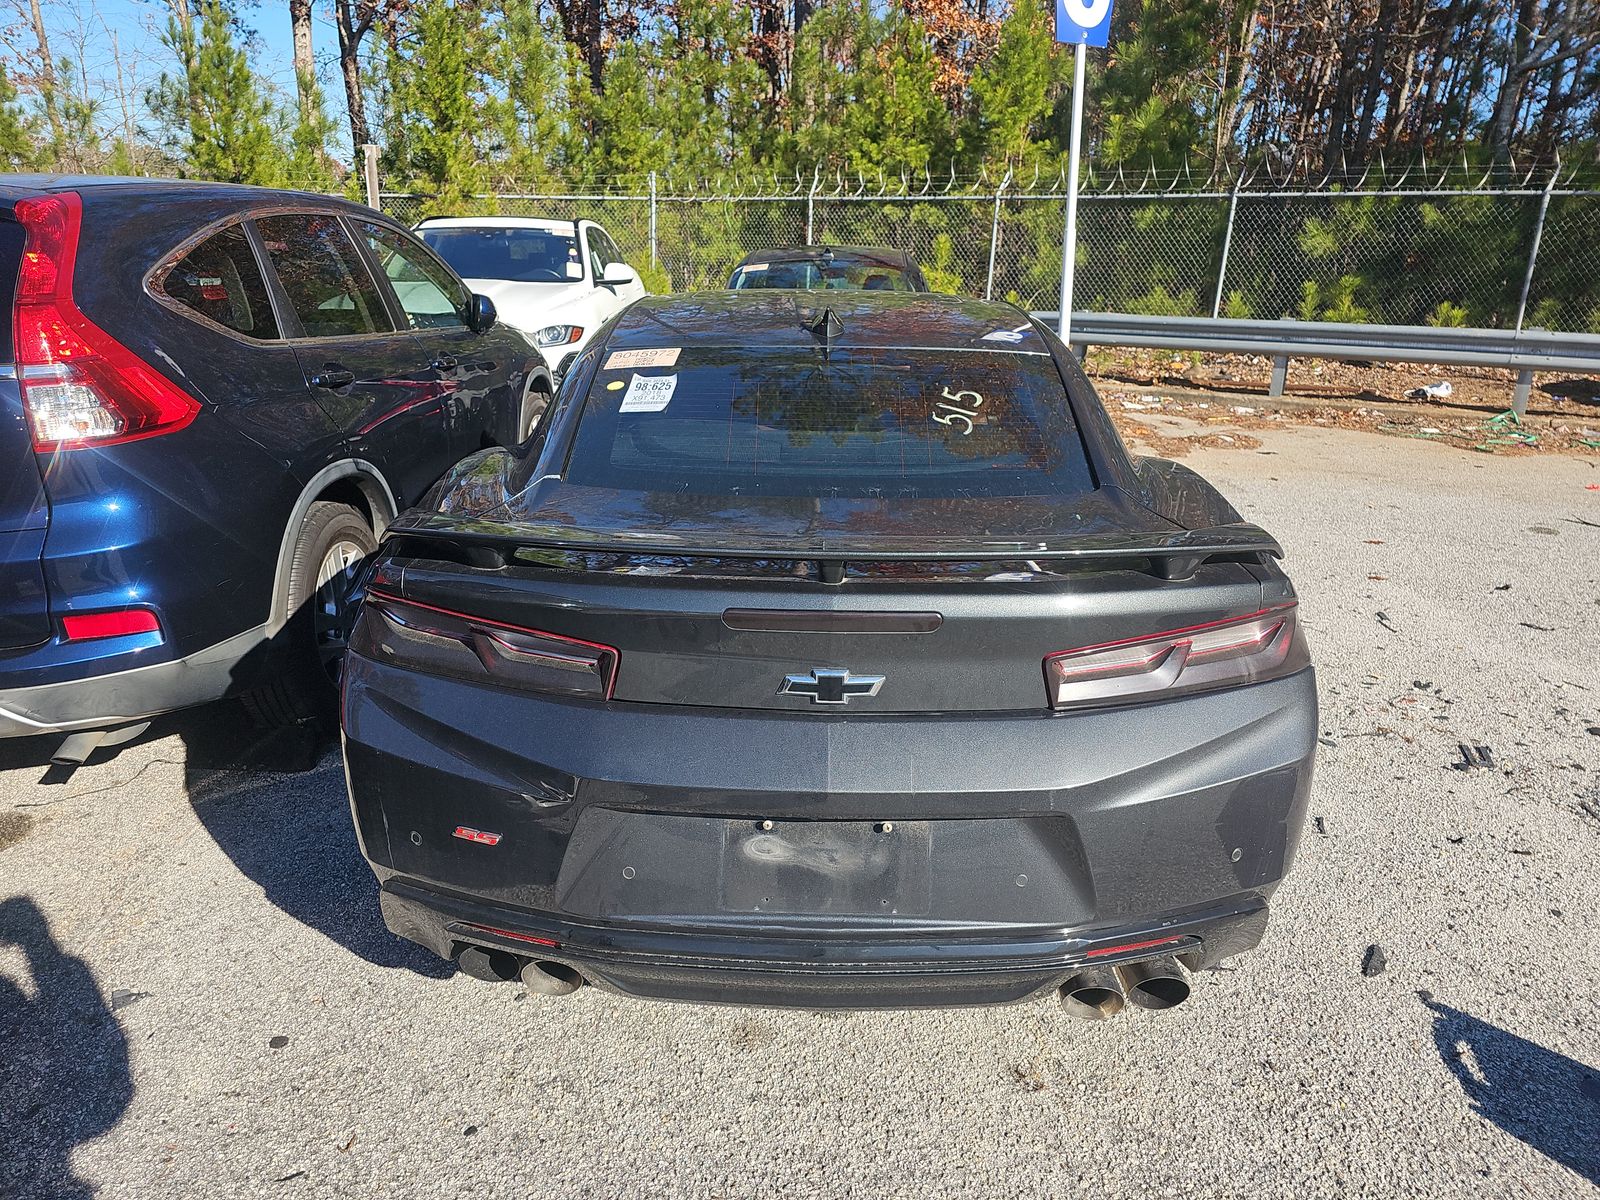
[{"x": 830, "y": 687}]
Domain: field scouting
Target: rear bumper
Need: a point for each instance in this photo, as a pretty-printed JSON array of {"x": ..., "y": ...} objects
[
  {"x": 1031, "y": 839},
  {"x": 129, "y": 688},
  {"x": 806, "y": 970}
]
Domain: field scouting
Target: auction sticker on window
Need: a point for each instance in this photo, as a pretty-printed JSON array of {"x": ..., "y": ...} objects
[
  {"x": 649, "y": 393},
  {"x": 632, "y": 360}
]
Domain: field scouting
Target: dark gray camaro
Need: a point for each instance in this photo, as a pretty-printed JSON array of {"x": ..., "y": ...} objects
[{"x": 829, "y": 651}]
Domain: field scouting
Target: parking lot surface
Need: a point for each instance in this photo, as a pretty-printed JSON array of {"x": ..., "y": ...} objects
[{"x": 198, "y": 998}]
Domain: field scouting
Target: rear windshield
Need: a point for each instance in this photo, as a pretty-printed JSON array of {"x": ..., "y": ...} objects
[
  {"x": 518, "y": 255},
  {"x": 851, "y": 274},
  {"x": 12, "y": 238},
  {"x": 853, "y": 423}
]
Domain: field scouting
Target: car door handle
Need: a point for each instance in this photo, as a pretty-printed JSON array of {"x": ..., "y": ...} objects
[
  {"x": 443, "y": 363},
  {"x": 333, "y": 377}
]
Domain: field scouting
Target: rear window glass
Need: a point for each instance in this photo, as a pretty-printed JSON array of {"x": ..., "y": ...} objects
[
  {"x": 219, "y": 280},
  {"x": 847, "y": 274},
  {"x": 323, "y": 274},
  {"x": 12, "y": 239},
  {"x": 853, "y": 423}
]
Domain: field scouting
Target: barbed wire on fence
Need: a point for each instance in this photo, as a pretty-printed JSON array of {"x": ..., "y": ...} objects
[{"x": 1441, "y": 243}]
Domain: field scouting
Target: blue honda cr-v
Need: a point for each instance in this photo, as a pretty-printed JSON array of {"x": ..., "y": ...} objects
[{"x": 212, "y": 401}]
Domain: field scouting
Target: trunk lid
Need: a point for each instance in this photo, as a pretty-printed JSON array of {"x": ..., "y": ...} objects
[{"x": 830, "y": 606}]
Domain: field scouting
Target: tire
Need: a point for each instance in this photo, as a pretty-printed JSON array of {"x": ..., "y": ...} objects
[
  {"x": 535, "y": 402},
  {"x": 330, "y": 550}
]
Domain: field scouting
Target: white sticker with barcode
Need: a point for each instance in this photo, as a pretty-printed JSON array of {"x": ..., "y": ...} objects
[{"x": 649, "y": 393}]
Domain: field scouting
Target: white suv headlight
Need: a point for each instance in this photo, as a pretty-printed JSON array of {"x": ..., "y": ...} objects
[{"x": 558, "y": 335}]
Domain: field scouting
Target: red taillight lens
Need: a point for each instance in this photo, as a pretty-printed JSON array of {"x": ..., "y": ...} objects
[
  {"x": 1238, "y": 650},
  {"x": 80, "y": 385},
  {"x": 511, "y": 933},
  {"x": 437, "y": 640},
  {"x": 88, "y": 626}
]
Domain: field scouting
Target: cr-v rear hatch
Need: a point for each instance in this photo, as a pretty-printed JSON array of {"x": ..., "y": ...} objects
[
  {"x": 824, "y": 529},
  {"x": 24, "y": 515}
]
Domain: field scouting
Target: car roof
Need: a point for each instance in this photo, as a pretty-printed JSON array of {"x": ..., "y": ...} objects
[
  {"x": 548, "y": 224},
  {"x": 16, "y": 187},
  {"x": 877, "y": 254},
  {"x": 780, "y": 318}
]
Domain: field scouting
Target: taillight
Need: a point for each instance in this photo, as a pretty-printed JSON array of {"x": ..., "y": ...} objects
[
  {"x": 1238, "y": 650},
  {"x": 436, "y": 640},
  {"x": 80, "y": 385}
]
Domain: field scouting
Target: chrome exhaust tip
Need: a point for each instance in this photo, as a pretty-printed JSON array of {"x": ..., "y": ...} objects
[
  {"x": 1092, "y": 995},
  {"x": 1154, "y": 983},
  {"x": 551, "y": 978}
]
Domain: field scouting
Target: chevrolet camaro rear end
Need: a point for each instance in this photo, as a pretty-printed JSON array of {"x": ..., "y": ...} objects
[{"x": 829, "y": 656}]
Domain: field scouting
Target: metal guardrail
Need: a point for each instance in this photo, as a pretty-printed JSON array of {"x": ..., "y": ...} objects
[{"x": 1525, "y": 352}]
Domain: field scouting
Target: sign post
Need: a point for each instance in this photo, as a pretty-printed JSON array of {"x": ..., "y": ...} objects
[{"x": 1084, "y": 23}]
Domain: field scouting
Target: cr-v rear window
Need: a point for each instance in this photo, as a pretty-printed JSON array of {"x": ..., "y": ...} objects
[
  {"x": 12, "y": 239},
  {"x": 847, "y": 423},
  {"x": 219, "y": 279}
]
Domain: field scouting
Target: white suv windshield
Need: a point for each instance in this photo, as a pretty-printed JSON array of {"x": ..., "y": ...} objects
[{"x": 518, "y": 255}]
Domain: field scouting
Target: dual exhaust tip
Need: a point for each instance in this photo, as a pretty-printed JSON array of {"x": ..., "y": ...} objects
[
  {"x": 538, "y": 975},
  {"x": 1100, "y": 992}
]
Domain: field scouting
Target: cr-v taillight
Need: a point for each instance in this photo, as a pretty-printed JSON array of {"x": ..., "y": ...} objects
[
  {"x": 423, "y": 637},
  {"x": 80, "y": 385},
  {"x": 1238, "y": 650}
]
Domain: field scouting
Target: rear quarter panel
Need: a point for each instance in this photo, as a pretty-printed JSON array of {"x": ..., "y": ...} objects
[{"x": 191, "y": 521}]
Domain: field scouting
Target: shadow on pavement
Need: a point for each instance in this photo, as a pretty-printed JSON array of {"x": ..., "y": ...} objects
[
  {"x": 1545, "y": 1099},
  {"x": 275, "y": 802},
  {"x": 64, "y": 1074}
]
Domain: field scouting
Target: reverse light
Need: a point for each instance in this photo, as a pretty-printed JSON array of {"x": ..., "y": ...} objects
[
  {"x": 81, "y": 386},
  {"x": 88, "y": 626},
  {"x": 424, "y": 637},
  {"x": 558, "y": 335},
  {"x": 1238, "y": 650}
]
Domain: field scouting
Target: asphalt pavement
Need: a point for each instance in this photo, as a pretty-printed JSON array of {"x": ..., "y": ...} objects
[{"x": 198, "y": 998}]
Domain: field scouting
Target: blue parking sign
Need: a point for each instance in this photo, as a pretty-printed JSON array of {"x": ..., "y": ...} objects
[{"x": 1083, "y": 21}]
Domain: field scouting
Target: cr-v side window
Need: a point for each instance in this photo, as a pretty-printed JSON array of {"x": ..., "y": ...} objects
[
  {"x": 220, "y": 281},
  {"x": 323, "y": 275},
  {"x": 430, "y": 296}
]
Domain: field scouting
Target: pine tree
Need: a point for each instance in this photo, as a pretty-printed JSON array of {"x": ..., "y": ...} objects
[
  {"x": 434, "y": 101},
  {"x": 308, "y": 165},
  {"x": 1015, "y": 92},
  {"x": 224, "y": 125},
  {"x": 19, "y": 134}
]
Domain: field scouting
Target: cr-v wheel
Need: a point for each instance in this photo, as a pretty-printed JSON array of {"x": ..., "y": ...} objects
[
  {"x": 332, "y": 545},
  {"x": 535, "y": 400}
]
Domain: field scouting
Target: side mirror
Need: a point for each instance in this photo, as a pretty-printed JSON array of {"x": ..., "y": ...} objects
[
  {"x": 619, "y": 274},
  {"x": 481, "y": 314}
]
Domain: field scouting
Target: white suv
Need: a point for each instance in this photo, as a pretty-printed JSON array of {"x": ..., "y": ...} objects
[{"x": 557, "y": 281}]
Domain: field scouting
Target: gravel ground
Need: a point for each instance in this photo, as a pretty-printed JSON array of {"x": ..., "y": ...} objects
[{"x": 197, "y": 997}]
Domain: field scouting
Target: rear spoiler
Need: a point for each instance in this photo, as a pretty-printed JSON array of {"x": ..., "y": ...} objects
[{"x": 1173, "y": 555}]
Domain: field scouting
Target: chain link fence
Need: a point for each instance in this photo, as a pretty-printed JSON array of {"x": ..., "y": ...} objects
[{"x": 1494, "y": 257}]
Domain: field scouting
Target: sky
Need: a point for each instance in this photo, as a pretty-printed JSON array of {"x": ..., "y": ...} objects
[{"x": 138, "y": 25}]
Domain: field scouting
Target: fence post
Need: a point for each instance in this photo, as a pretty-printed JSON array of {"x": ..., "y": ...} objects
[
  {"x": 1227, "y": 244},
  {"x": 994, "y": 235},
  {"x": 1533, "y": 250},
  {"x": 369, "y": 173},
  {"x": 811, "y": 205},
  {"x": 653, "y": 220}
]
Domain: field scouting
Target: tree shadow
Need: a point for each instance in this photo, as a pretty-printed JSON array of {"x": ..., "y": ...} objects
[
  {"x": 64, "y": 1075},
  {"x": 1545, "y": 1099},
  {"x": 275, "y": 802}
]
